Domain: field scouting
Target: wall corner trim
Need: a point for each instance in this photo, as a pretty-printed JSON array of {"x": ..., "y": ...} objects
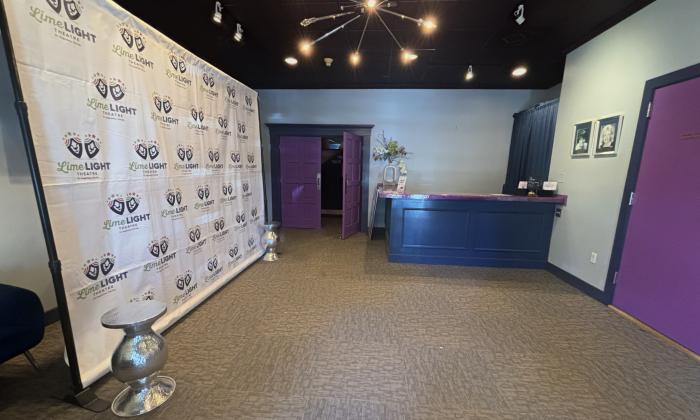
[{"x": 579, "y": 284}]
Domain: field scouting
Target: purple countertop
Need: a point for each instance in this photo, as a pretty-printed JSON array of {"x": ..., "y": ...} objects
[{"x": 557, "y": 199}]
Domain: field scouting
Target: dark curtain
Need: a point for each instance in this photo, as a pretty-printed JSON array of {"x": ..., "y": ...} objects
[{"x": 531, "y": 144}]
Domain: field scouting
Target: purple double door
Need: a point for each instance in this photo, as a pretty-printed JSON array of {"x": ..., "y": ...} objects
[
  {"x": 659, "y": 277},
  {"x": 300, "y": 170}
]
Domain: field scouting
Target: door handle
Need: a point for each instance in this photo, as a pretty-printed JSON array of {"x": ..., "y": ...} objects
[{"x": 318, "y": 181}]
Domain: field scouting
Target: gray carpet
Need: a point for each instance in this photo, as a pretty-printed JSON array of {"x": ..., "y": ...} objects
[{"x": 334, "y": 331}]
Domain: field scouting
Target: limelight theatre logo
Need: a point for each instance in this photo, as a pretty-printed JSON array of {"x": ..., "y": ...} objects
[
  {"x": 186, "y": 284},
  {"x": 207, "y": 86},
  {"x": 83, "y": 154},
  {"x": 235, "y": 162},
  {"x": 66, "y": 30},
  {"x": 220, "y": 230},
  {"x": 149, "y": 294},
  {"x": 228, "y": 196},
  {"x": 251, "y": 161},
  {"x": 249, "y": 104},
  {"x": 174, "y": 209},
  {"x": 98, "y": 270},
  {"x": 254, "y": 215},
  {"x": 240, "y": 220},
  {"x": 234, "y": 255},
  {"x": 203, "y": 194},
  {"x": 126, "y": 215},
  {"x": 241, "y": 134},
  {"x": 197, "y": 240},
  {"x": 231, "y": 95},
  {"x": 177, "y": 71},
  {"x": 158, "y": 248},
  {"x": 246, "y": 192},
  {"x": 109, "y": 101},
  {"x": 147, "y": 152},
  {"x": 163, "y": 106},
  {"x": 197, "y": 123},
  {"x": 131, "y": 47},
  {"x": 214, "y": 157},
  {"x": 222, "y": 129},
  {"x": 213, "y": 268},
  {"x": 185, "y": 154}
]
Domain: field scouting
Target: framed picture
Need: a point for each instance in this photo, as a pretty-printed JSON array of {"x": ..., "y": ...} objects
[
  {"x": 581, "y": 143},
  {"x": 608, "y": 135}
]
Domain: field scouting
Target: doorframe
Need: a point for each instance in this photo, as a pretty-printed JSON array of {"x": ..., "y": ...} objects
[
  {"x": 640, "y": 136},
  {"x": 316, "y": 130}
]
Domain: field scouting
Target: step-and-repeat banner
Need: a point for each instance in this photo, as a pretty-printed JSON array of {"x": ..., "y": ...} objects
[{"x": 150, "y": 161}]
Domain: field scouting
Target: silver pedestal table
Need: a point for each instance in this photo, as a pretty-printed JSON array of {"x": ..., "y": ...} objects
[
  {"x": 270, "y": 240},
  {"x": 139, "y": 358}
]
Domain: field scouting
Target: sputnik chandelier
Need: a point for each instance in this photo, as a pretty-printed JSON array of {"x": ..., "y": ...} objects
[{"x": 356, "y": 9}]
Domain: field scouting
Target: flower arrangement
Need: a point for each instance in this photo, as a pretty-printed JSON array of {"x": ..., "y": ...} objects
[{"x": 388, "y": 150}]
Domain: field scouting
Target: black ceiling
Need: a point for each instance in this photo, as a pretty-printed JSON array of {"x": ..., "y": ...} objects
[{"x": 477, "y": 32}]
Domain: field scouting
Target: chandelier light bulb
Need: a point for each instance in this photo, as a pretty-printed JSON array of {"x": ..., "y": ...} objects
[
  {"x": 355, "y": 59},
  {"x": 428, "y": 25},
  {"x": 408, "y": 56},
  {"x": 306, "y": 48},
  {"x": 371, "y": 4}
]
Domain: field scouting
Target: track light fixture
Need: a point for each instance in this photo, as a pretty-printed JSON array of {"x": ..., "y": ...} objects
[
  {"x": 238, "y": 35},
  {"x": 217, "y": 17},
  {"x": 356, "y": 9},
  {"x": 470, "y": 74}
]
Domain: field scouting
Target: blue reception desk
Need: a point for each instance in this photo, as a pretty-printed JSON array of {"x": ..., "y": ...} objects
[{"x": 470, "y": 229}]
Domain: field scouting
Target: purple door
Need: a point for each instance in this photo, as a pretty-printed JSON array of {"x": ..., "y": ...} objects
[
  {"x": 352, "y": 180},
  {"x": 300, "y": 167},
  {"x": 659, "y": 278}
]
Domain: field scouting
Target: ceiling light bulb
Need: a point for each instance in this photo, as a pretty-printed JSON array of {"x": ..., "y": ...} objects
[
  {"x": 292, "y": 61},
  {"x": 428, "y": 25},
  {"x": 371, "y": 4},
  {"x": 355, "y": 59},
  {"x": 519, "y": 71},
  {"x": 470, "y": 74},
  {"x": 305, "y": 47},
  {"x": 217, "y": 17},
  {"x": 408, "y": 56}
]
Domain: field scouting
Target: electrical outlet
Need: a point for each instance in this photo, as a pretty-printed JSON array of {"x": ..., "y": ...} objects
[{"x": 594, "y": 257}]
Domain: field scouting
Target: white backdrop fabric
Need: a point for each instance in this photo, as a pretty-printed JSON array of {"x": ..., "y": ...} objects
[{"x": 150, "y": 161}]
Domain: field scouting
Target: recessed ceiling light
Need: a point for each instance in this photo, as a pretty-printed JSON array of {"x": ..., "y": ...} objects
[
  {"x": 292, "y": 61},
  {"x": 470, "y": 74},
  {"x": 519, "y": 71},
  {"x": 408, "y": 56}
]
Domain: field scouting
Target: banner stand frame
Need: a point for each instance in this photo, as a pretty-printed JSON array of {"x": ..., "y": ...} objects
[{"x": 82, "y": 396}]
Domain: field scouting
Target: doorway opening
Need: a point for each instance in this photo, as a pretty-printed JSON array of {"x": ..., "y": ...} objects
[
  {"x": 319, "y": 175},
  {"x": 332, "y": 176}
]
